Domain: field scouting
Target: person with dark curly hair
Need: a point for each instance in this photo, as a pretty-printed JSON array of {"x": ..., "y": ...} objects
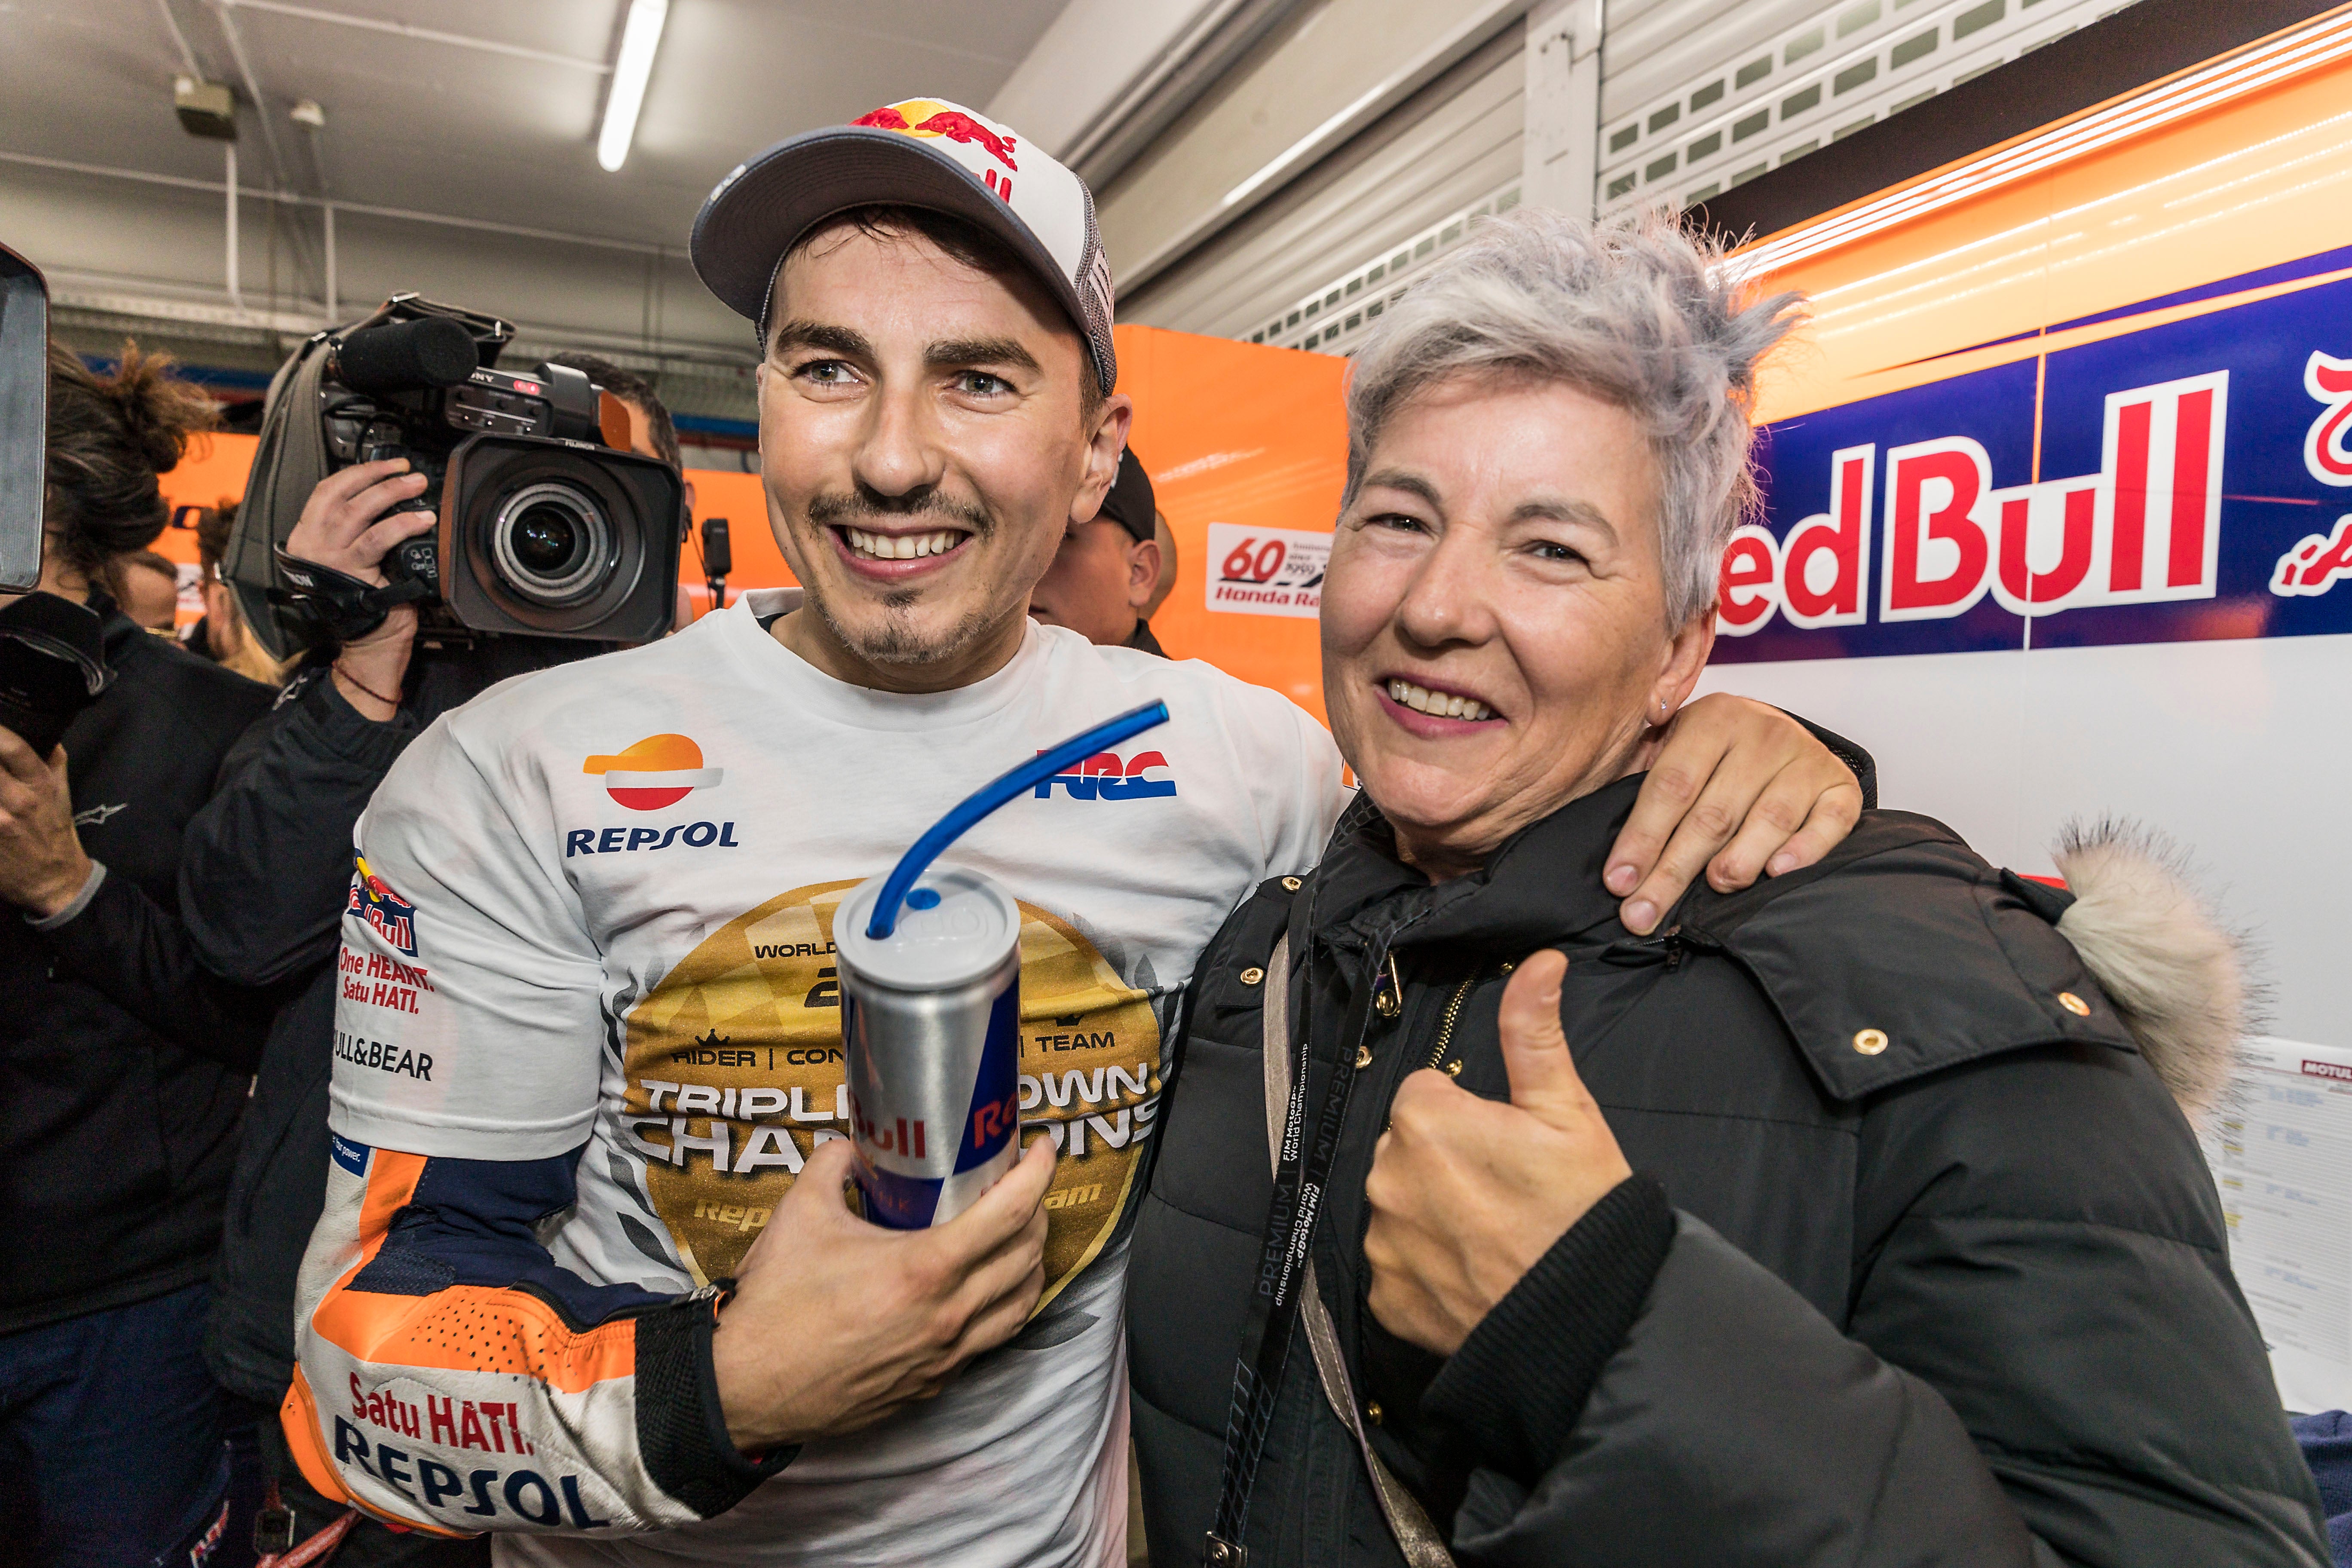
[{"x": 123, "y": 1065}]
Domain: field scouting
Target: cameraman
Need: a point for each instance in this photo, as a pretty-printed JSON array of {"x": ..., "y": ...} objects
[
  {"x": 123, "y": 1067},
  {"x": 264, "y": 887}
]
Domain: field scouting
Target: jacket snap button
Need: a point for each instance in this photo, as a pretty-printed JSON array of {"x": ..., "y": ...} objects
[
  {"x": 1386, "y": 1005},
  {"x": 1372, "y": 1411},
  {"x": 2073, "y": 1003},
  {"x": 1253, "y": 974},
  {"x": 1363, "y": 1056},
  {"x": 1290, "y": 884},
  {"x": 1870, "y": 1042}
]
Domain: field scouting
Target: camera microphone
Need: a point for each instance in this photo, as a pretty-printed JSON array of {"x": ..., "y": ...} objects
[{"x": 407, "y": 356}]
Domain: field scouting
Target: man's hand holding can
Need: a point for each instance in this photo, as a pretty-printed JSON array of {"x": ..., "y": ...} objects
[{"x": 836, "y": 1323}]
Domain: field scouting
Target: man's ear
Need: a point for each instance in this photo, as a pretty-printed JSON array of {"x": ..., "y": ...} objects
[
  {"x": 1104, "y": 448},
  {"x": 1143, "y": 575}
]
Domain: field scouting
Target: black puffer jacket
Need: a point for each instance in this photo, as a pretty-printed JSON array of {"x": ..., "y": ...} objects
[
  {"x": 123, "y": 1066},
  {"x": 1956, "y": 1293}
]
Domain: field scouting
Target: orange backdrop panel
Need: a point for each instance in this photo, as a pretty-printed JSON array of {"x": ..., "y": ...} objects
[{"x": 1236, "y": 432}]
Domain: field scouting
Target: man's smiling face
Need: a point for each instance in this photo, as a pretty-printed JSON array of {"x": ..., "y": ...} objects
[{"x": 927, "y": 436}]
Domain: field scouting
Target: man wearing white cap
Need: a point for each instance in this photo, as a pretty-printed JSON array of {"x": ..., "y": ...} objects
[{"x": 568, "y": 1285}]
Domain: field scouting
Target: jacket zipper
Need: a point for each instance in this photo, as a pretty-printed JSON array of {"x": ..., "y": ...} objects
[{"x": 1445, "y": 1025}]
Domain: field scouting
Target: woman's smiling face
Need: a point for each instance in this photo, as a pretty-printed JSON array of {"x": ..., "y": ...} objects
[{"x": 1495, "y": 642}]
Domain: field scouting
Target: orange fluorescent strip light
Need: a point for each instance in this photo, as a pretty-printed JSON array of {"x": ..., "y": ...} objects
[{"x": 2207, "y": 87}]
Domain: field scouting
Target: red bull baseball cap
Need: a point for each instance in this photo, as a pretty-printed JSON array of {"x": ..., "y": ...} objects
[{"x": 920, "y": 152}]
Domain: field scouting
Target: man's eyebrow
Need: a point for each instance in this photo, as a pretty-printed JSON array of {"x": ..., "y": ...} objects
[
  {"x": 979, "y": 351},
  {"x": 799, "y": 333}
]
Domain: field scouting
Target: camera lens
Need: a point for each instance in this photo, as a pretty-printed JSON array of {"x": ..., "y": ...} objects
[
  {"x": 545, "y": 541},
  {"x": 552, "y": 543}
]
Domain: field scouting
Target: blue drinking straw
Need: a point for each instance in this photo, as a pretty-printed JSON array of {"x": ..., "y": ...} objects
[{"x": 988, "y": 796}]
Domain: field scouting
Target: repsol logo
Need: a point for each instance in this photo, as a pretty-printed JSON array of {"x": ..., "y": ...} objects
[
  {"x": 628, "y": 840},
  {"x": 487, "y": 1493}
]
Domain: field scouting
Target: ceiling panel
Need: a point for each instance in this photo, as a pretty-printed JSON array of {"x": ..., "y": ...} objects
[{"x": 417, "y": 124}]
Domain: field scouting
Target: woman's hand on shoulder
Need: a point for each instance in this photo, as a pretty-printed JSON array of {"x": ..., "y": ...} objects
[{"x": 1737, "y": 789}]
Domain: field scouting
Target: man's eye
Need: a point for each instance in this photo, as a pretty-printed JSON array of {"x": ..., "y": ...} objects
[
  {"x": 1401, "y": 521},
  {"x": 1547, "y": 550},
  {"x": 827, "y": 371},
  {"x": 980, "y": 383}
]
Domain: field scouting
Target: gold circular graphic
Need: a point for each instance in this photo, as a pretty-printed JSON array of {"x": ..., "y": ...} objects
[{"x": 735, "y": 1074}]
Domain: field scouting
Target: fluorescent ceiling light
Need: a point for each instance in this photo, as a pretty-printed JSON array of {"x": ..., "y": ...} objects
[{"x": 639, "y": 38}]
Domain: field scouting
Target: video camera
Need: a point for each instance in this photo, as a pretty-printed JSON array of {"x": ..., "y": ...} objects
[{"x": 548, "y": 525}]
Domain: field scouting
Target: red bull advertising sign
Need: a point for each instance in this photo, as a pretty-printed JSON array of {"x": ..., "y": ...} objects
[{"x": 2181, "y": 482}]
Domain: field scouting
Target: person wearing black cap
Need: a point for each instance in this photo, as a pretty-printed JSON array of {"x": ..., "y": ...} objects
[
  {"x": 1107, "y": 571},
  {"x": 567, "y": 1280}
]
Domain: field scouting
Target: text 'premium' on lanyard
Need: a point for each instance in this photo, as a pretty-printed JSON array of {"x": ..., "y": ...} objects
[{"x": 1301, "y": 1172}]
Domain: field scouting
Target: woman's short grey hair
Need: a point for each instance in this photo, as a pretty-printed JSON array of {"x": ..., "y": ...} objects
[{"x": 1634, "y": 311}]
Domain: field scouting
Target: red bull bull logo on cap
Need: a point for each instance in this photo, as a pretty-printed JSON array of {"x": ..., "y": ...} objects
[{"x": 930, "y": 117}]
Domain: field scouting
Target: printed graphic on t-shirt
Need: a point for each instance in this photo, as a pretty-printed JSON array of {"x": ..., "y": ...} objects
[{"x": 735, "y": 1075}]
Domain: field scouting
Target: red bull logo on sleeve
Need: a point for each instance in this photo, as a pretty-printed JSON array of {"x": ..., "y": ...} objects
[
  {"x": 2155, "y": 484},
  {"x": 930, "y": 117},
  {"x": 385, "y": 913}
]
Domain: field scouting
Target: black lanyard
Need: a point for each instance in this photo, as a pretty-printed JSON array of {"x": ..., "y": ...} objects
[{"x": 1300, "y": 1176}]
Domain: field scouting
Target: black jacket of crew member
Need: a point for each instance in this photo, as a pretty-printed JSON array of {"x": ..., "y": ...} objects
[
  {"x": 1959, "y": 1293},
  {"x": 123, "y": 1066},
  {"x": 263, "y": 887}
]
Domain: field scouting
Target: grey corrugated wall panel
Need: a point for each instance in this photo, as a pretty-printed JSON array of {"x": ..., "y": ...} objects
[{"x": 1452, "y": 143}]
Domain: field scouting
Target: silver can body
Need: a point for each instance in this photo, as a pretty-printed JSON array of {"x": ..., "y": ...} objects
[{"x": 933, "y": 1068}]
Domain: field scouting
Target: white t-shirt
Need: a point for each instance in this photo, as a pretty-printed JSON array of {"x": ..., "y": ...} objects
[{"x": 613, "y": 883}]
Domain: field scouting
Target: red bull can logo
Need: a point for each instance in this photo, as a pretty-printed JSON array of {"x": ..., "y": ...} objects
[
  {"x": 385, "y": 913},
  {"x": 930, "y": 1026}
]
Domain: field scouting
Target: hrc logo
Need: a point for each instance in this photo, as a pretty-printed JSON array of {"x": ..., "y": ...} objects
[{"x": 1103, "y": 777}]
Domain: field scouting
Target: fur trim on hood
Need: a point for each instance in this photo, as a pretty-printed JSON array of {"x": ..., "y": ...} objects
[{"x": 2176, "y": 976}]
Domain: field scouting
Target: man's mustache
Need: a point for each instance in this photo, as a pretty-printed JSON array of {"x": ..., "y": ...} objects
[{"x": 839, "y": 510}]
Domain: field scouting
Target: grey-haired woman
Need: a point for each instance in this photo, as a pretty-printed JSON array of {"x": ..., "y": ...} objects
[{"x": 1844, "y": 1221}]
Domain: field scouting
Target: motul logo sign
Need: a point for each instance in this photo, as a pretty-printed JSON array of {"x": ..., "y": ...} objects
[{"x": 1921, "y": 531}]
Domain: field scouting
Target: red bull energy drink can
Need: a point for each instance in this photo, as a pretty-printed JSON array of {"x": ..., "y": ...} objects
[{"x": 930, "y": 1022}]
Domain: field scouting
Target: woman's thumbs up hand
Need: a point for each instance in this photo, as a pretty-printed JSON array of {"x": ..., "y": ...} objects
[{"x": 1468, "y": 1193}]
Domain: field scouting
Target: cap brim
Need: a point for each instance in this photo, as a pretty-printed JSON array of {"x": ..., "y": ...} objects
[{"x": 743, "y": 231}]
